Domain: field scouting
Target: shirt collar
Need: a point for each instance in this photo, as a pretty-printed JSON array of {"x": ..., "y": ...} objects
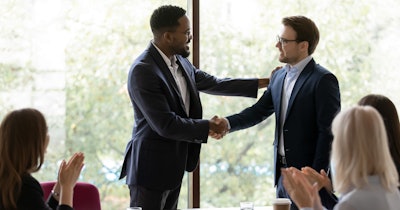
[
  {"x": 169, "y": 62},
  {"x": 300, "y": 65}
]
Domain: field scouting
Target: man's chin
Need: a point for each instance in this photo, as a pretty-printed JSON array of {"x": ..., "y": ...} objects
[
  {"x": 283, "y": 59},
  {"x": 185, "y": 54}
]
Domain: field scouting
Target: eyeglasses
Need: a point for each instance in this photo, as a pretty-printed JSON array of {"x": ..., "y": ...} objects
[
  {"x": 284, "y": 41},
  {"x": 187, "y": 33}
]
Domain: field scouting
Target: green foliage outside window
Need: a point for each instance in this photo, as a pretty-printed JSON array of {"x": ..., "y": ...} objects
[{"x": 100, "y": 39}]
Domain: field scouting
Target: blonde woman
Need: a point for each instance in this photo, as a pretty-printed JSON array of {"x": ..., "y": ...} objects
[
  {"x": 23, "y": 142},
  {"x": 364, "y": 173}
]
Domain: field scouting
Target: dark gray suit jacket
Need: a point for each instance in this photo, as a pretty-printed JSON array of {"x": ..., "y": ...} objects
[{"x": 165, "y": 140}]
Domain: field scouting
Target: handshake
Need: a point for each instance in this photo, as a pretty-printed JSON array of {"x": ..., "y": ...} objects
[{"x": 218, "y": 127}]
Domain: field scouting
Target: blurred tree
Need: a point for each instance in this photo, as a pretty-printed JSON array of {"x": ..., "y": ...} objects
[
  {"x": 245, "y": 33},
  {"x": 237, "y": 39},
  {"x": 106, "y": 38}
]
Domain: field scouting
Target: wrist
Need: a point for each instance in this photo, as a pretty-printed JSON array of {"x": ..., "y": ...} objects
[
  {"x": 55, "y": 194},
  {"x": 329, "y": 188}
]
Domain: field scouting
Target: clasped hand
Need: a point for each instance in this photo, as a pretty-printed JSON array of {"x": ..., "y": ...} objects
[{"x": 218, "y": 127}]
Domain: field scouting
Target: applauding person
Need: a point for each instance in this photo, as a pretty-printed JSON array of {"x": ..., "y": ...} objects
[
  {"x": 390, "y": 117},
  {"x": 364, "y": 173},
  {"x": 23, "y": 142}
]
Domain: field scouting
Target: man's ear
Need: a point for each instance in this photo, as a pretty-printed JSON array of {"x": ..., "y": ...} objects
[
  {"x": 304, "y": 46},
  {"x": 167, "y": 36}
]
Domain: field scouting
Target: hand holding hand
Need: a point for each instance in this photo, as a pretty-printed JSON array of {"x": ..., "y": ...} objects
[{"x": 218, "y": 127}]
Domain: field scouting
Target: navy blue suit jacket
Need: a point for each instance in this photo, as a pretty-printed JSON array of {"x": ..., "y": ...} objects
[
  {"x": 165, "y": 140},
  {"x": 314, "y": 102}
]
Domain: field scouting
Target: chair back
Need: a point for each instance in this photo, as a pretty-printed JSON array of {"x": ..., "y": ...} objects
[{"x": 86, "y": 195}]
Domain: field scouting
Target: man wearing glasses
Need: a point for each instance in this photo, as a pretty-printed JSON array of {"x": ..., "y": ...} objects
[{"x": 304, "y": 97}]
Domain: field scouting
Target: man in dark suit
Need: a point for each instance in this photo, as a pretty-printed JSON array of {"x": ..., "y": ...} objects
[
  {"x": 169, "y": 130},
  {"x": 304, "y": 97}
]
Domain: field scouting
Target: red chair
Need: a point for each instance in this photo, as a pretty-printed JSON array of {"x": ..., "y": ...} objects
[{"x": 86, "y": 195}]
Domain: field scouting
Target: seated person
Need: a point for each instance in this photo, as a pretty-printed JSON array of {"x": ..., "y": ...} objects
[
  {"x": 362, "y": 169},
  {"x": 388, "y": 112},
  {"x": 23, "y": 142}
]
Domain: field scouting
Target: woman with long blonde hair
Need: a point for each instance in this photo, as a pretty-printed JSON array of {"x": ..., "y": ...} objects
[
  {"x": 23, "y": 142},
  {"x": 364, "y": 173}
]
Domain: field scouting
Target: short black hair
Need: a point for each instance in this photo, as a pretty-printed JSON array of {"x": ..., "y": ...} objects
[{"x": 166, "y": 17}]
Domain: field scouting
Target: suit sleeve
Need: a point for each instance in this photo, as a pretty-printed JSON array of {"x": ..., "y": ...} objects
[
  {"x": 253, "y": 115},
  {"x": 258, "y": 112},
  {"x": 327, "y": 106},
  {"x": 226, "y": 86}
]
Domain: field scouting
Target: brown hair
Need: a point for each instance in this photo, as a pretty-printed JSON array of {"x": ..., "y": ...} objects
[
  {"x": 23, "y": 136},
  {"x": 388, "y": 111},
  {"x": 306, "y": 30}
]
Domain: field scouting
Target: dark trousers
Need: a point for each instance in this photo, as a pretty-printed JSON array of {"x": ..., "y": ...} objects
[
  {"x": 281, "y": 193},
  {"x": 280, "y": 189},
  {"x": 150, "y": 199}
]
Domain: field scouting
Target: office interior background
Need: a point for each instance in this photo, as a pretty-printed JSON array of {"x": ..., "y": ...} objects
[{"x": 70, "y": 58}]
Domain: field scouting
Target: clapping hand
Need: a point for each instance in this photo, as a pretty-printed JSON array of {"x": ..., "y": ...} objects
[
  {"x": 68, "y": 175},
  {"x": 70, "y": 171},
  {"x": 300, "y": 190},
  {"x": 321, "y": 178}
]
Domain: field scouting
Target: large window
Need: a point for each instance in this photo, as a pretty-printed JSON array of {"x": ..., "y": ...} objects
[
  {"x": 237, "y": 39},
  {"x": 70, "y": 60}
]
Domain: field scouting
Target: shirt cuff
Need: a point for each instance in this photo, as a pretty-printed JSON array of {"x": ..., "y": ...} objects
[{"x": 228, "y": 124}]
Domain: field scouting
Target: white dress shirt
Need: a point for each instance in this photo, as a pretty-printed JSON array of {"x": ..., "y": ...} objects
[
  {"x": 292, "y": 73},
  {"x": 179, "y": 78}
]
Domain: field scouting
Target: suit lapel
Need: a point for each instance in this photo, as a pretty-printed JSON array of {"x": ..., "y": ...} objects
[
  {"x": 163, "y": 67},
  {"x": 280, "y": 81},
  {"x": 191, "y": 85},
  {"x": 165, "y": 70},
  {"x": 188, "y": 76},
  {"x": 304, "y": 75}
]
